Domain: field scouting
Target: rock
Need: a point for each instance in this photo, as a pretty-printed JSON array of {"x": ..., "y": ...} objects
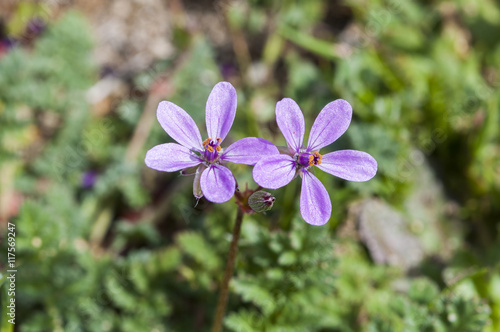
[
  {"x": 130, "y": 34},
  {"x": 386, "y": 234},
  {"x": 426, "y": 227}
]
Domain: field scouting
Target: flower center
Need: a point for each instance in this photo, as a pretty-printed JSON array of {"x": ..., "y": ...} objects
[
  {"x": 212, "y": 149},
  {"x": 308, "y": 159}
]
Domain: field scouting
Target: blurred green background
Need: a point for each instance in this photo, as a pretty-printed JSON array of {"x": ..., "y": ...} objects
[{"x": 105, "y": 244}]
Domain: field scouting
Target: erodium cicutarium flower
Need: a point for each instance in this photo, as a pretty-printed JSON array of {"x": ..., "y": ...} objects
[
  {"x": 278, "y": 170},
  {"x": 212, "y": 178}
]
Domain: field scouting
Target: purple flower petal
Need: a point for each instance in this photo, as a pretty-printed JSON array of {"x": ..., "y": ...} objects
[
  {"x": 350, "y": 165},
  {"x": 220, "y": 110},
  {"x": 275, "y": 171},
  {"x": 179, "y": 125},
  {"x": 217, "y": 184},
  {"x": 291, "y": 122},
  {"x": 249, "y": 151},
  {"x": 330, "y": 124},
  {"x": 171, "y": 157},
  {"x": 315, "y": 205}
]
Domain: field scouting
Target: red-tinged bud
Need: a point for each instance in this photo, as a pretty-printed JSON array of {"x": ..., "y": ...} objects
[{"x": 261, "y": 201}]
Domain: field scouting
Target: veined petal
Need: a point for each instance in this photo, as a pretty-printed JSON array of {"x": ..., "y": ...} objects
[
  {"x": 315, "y": 205},
  {"x": 171, "y": 157},
  {"x": 249, "y": 150},
  {"x": 330, "y": 124},
  {"x": 350, "y": 165},
  {"x": 217, "y": 184},
  {"x": 275, "y": 171},
  {"x": 220, "y": 110},
  {"x": 179, "y": 125},
  {"x": 291, "y": 122}
]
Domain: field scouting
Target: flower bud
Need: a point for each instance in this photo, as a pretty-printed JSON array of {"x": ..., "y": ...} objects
[
  {"x": 196, "y": 183},
  {"x": 261, "y": 201}
]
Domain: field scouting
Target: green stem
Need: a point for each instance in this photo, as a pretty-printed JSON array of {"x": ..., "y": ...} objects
[
  {"x": 223, "y": 295},
  {"x": 314, "y": 45}
]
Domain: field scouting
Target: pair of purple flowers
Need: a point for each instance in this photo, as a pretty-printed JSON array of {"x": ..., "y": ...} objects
[{"x": 273, "y": 168}]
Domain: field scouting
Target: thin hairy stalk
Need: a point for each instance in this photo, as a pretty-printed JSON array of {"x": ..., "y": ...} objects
[{"x": 223, "y": 294}]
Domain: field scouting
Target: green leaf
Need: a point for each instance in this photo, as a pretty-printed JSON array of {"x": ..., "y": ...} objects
[{"x": 194, "y": 245}]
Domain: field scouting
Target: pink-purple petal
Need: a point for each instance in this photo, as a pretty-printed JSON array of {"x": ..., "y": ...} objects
[
  {"x": 171, "y": 157},
  {"x": 179, "y": 125},
  {"x": 350, "y": 165},
  {"x": 217, "y": 184},
  {"x": 275, "y": 171},
  {"x": 220, "y": 110},
  {"x": 249, "y": 150},
  {"x": 315, "y": 205},
  {"x": 330, "y": 124},
  {"x": 291, "y": 122}
]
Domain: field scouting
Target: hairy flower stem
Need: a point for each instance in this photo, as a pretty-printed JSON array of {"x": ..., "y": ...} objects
[{"x": 222, "y": 302}]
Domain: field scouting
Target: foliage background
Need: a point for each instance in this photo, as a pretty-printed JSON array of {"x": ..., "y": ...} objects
[{"x": 105, "y": 244}]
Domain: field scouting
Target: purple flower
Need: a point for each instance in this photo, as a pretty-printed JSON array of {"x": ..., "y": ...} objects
[
  {"x": 35, "y": 26},
  {"x": 88, "y": 179},
  {"x": 213, "y": 179},
  {"x": 5, "y": 45},
  {"x": 278, "y": 170}
]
